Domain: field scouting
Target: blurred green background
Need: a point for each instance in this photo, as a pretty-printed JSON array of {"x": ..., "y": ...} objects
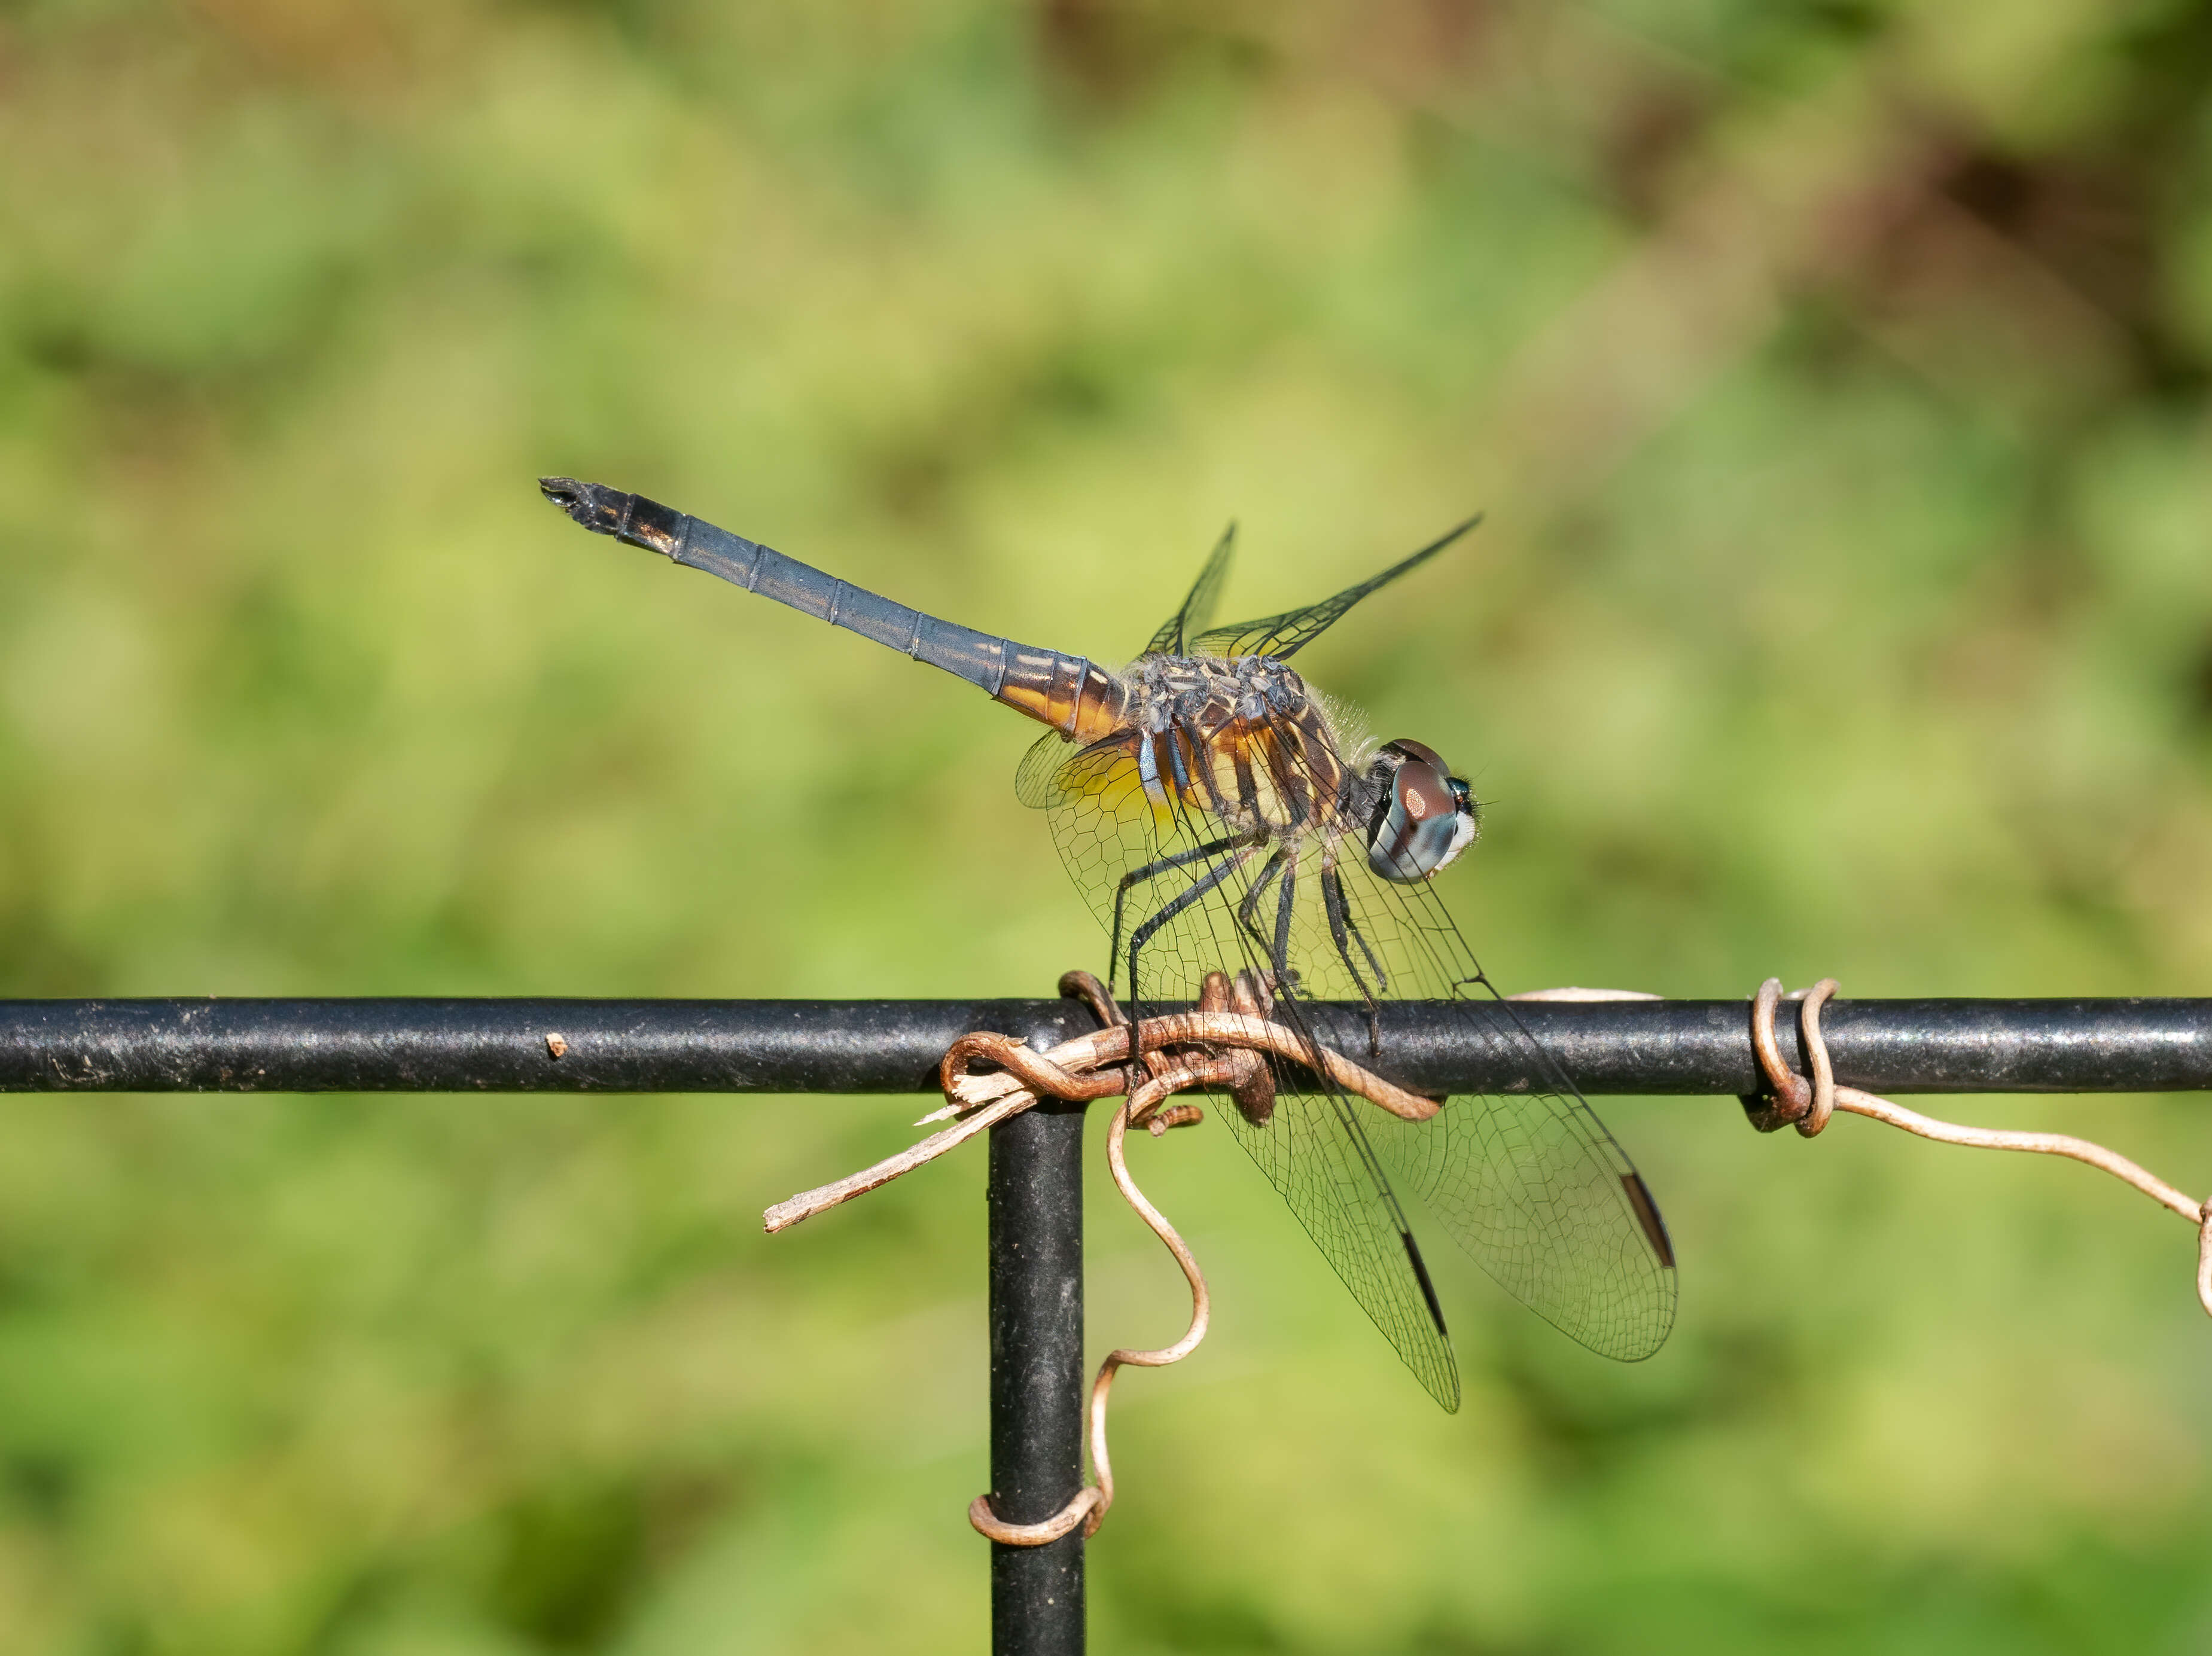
[{"x": 1838, "y": 377}]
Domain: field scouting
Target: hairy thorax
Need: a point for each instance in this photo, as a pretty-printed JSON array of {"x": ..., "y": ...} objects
[{"x": 1241, "y": 738}]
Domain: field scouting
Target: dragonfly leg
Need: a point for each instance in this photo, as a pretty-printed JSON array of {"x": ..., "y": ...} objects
[
  {"x": 1152, "y": 870},
  {"x": 1344, "y": 930},
  {"x": 1281, "y": 872},
  {"x": 1191, "y": 894},
  {"x": 1246, "y": 908},
  {"x": 1287, "y": 888}
]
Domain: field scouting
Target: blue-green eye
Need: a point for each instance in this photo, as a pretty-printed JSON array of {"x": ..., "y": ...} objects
[{"x": 1424, "y": 816}]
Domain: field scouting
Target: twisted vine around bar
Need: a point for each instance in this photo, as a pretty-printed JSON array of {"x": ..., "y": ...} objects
[
  {"x": 1792, "y": 1101},
  {"x": 1220, "y": 1045},
  {"x": 1230, "y": 1016}
]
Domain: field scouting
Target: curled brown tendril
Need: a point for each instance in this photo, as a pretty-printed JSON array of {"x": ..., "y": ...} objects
[
  {"x": 1088, "y": 1505},
  {"x": 1791, "y": 1101},
  {"x": 1222, "y": 1045}
]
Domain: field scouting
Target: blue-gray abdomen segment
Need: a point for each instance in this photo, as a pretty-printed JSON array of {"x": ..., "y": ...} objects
[{"x": 1059, "y": 689}]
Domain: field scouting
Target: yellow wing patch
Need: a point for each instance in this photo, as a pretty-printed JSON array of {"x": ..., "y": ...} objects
[{"x": 1104, "y": 777}]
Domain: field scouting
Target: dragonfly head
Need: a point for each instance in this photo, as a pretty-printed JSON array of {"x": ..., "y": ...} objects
[{"x": 1423, "y": 815}]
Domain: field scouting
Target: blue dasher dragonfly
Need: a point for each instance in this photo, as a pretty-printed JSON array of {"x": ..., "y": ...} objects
[{"x": 1219, "y": 816}]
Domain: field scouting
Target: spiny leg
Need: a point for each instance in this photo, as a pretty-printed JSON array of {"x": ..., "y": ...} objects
[
  {"x": 1191, "y": 894},
  {"x": 1148, "y": 871},
  {"x": 1245, "y": 909},
  {"x": 1344, "y": 930},
  {"x": 1286, "y": 890}
]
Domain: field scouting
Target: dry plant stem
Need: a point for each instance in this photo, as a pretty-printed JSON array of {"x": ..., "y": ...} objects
[
  {"x": 1083, "y": 1068},
  {"x": 1807, "y": 1106},
  {"x": 1085, "y": 987},
  {"x": 1041, "y": 1076},
  {"x": 1090, "y": 1505},
  {"x": 1145, "y": 1101},
  {"x": 1105, "y": 1046},
  {"x": 807, "y": 1204},
  {"x": 1240, "y": 1071},
  {"x": 1245, "y": 1031},
  {"x": 1087, "y": 1069},
  {"x": 2040, "y": 1144}
]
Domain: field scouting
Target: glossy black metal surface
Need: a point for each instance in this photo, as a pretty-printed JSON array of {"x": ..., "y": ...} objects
[
  {"x": 1036, "y": 1195},
  {"x": 1690, "y": 1047},
  {"x": 1700, "y": 1047}
]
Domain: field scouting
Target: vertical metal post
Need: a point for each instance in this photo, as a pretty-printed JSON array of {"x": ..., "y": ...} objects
[{"x": 1036, "y": 1195}]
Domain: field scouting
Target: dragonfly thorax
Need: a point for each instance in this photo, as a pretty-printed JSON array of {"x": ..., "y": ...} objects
[
  {"x": 1193, "y": 687},
  {"x": 1244, "y": 740}
]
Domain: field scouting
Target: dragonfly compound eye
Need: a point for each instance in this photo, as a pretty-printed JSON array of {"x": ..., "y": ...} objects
[{"x": 1423, "y": 816}]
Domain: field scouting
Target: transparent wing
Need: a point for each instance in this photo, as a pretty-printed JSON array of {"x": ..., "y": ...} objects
[
  {"x": 1315, "y": 1150},
  {"x": 1102, "y": 820},
  {"x": 1285, "y": 635},
  {"x": 1314, "y": 1147},
  {"x": 1175, "y": 632},
  {"x": 1531, "y": 1184}
]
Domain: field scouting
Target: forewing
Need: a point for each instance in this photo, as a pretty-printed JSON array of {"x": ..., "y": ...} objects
[
  {"x": 1285, "y": 635},
  {"x": 1187, "y": 622}
]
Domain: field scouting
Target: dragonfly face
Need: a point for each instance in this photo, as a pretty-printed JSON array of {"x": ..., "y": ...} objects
[
  {"x": 1219, "y": 824},
  {"x": 1422, "y": 817}
]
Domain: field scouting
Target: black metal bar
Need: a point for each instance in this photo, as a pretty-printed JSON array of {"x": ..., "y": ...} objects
[
  {"x": 1035, "y": 1190},
  {"x": 1036, "y": 1195},
  {"x": 1679, "y": 1046}
]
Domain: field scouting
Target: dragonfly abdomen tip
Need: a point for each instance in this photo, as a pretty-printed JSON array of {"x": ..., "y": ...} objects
[
  {"x": 594, "y": 505},
  {"x": 615, "y": 511}
]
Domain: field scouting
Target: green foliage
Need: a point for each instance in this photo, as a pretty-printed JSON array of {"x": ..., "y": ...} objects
[{"x": 1835, "y": 377}]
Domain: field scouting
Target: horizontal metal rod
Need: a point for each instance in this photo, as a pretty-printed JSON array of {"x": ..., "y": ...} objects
[{"x": 1677, "y": 1047}]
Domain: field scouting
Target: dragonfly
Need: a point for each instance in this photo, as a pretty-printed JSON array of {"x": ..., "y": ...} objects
[{"x": 1219, "y": 816}]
